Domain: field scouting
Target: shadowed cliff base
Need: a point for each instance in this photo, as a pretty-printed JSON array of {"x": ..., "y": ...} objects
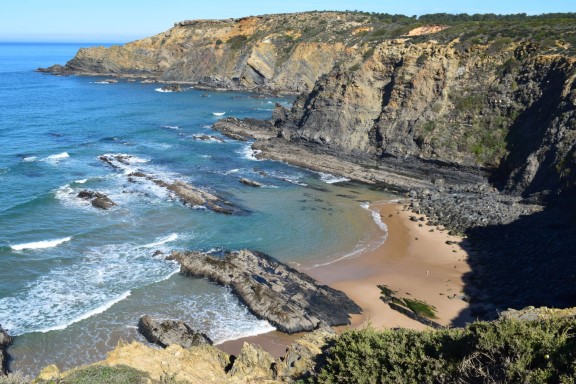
[{"x": 529, "y": 262}]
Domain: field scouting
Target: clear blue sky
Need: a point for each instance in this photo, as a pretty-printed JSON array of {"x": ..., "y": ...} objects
[{"x": 126, "y": 20}]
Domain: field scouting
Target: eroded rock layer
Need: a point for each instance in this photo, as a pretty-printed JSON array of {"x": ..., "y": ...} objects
[{"x": 289, "y": 300}]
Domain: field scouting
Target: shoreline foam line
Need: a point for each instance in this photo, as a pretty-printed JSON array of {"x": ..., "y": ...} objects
[
  {"x": 41, "y": 244},
  {"x": 361, "y": 248},
  {"x": 266, "y": 327},
  {"x": 162, "y": 240},
  {"x": 100, "y": 309}
]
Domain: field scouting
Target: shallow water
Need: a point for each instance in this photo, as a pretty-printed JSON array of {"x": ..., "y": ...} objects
[{"x": 75, "y": 279}]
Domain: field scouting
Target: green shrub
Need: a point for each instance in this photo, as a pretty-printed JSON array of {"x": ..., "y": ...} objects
[
  {"x": 98, "y": 374},
  {"x": 237, "y": 42},
  {"x": 505, "y": 351},
  {"x": 368, "y": 54},
  {"x": 354, "y": 68}
]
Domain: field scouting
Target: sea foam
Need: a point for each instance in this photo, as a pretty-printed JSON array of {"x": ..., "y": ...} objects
[
  {"x": 56, "y": 158},
  {"x": 92, "y": 282},
  {"x": 100, "y": 309},
  {"x": 249, "y": 153},
  {"x": 331, "y": 179},
  {"x": 41, "y": 244}
]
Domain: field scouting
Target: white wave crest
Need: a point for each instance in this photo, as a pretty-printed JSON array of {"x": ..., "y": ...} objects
[
  {"x": 218, "y": 113},
  {"x": 249, "y": 153},
  {"x": 54, "y": 159},
  {"x": 376, "y": 216},
  {"x": 41, "y": 244},
  {"x": 29, "y": 159},
  {"x": 163, "y": 240},
  {"x": 163, "y": 90},
  {"x": 100, "y": 309},
  {"x": 331, "y": 179},
  {"x": 96, "y": 279},
  {"x": 175, "y": 127}
]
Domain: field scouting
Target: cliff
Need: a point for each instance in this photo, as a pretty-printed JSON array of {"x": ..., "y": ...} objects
[
  {"x": 490, "y": 95},
  {"x": 274, "y": 52},
  {"x": 510, "y": 113}
]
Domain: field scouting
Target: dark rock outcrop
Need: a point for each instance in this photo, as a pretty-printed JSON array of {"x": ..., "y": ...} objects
[
  {"x": 186, "y": 193},
  {"x": 5, "y": 341},
  {"x": 97, "y": 199},
  {"x": 289, "y": 300},
  {"x": 251, "y": 183},
  {"x": 172, "y": 88},
  {"x": 170, "y": 332},
  {"x": 460, "y": 208}
]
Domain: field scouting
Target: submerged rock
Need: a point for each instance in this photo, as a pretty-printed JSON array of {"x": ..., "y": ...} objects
[
  {"x": 290, "y": 300},
  {"x": 5, "y": 341},
  {"x": 97, "y": 199},
  {"x": 170, "y": 332},
  {"x": 172, "y": 88},
  {"x": 186, "y": 193},
  {"x": 251, "y": 183}
]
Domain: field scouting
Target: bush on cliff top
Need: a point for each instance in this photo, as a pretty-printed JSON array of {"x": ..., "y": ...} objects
[
  {"x": 505, "y": 351},
  {"x": 98, "y": 374}
]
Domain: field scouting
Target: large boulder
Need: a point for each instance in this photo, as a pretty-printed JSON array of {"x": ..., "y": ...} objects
[
  {"x": 290, "y": 300},
  {"x": 253, "y": 364},
  {"x": 97, "y": 199},
  {"x": 170, "y": 332},
  {"x": 303, "y": 356}
]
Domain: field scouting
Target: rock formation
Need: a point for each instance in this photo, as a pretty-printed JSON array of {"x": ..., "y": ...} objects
[
  {"x": 251, "y": 183},
  {"x": 275, "y": 52},
  {"x": 170, "y": 332},
  {"x": 172, "y": 88},
  {"x": 97, "y": 199},
  {"x": 188, "y": 194},
  {"x": 5, "y": 341},
  {"x": 289, "y": 300},
  {"x": 207, "y": 364}
]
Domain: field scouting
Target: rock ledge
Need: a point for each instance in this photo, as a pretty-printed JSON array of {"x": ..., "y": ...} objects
[{"x": 288, "y": 299}]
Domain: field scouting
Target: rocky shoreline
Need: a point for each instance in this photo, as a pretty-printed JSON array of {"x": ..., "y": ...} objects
[
  {"x": 5, "y": 341},
  {"x": 397, "y": 175},
  {"x": 186, "y": 193},
  {"x": 288, "y": 299},
  {"x": 502, "y": 229}
]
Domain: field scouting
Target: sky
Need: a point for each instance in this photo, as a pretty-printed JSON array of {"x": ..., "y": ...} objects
[{"x": 120, "y": 21}]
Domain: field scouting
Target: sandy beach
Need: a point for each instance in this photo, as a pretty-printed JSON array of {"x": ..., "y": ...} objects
[{"x": 415, "y": 261}]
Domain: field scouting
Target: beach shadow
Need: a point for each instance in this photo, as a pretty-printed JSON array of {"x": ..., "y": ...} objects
[{"x": 529, "y": 262}]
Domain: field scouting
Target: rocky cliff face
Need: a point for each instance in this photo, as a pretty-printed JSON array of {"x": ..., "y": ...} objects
[
  {"x": 276, "y": 52},
  {"x": 511, "y": 112},
  {"x": 497, "y": 95},
  {"x": 5, "y": 341},
  {"x": 207, "y": 364}
]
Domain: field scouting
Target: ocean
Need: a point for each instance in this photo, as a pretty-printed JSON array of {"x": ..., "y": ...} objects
[{"x": 74, "y": 279}]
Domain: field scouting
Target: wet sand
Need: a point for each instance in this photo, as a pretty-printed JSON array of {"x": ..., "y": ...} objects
[{"x": 414, "y": 260}]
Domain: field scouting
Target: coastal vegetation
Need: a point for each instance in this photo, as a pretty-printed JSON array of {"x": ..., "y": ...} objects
[
  {"x": 539, "y": 349},
  {"x": 504, "y": 351}
]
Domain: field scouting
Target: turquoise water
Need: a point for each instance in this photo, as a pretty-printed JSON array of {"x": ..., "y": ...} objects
[{"x": 74, "y": 279}]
